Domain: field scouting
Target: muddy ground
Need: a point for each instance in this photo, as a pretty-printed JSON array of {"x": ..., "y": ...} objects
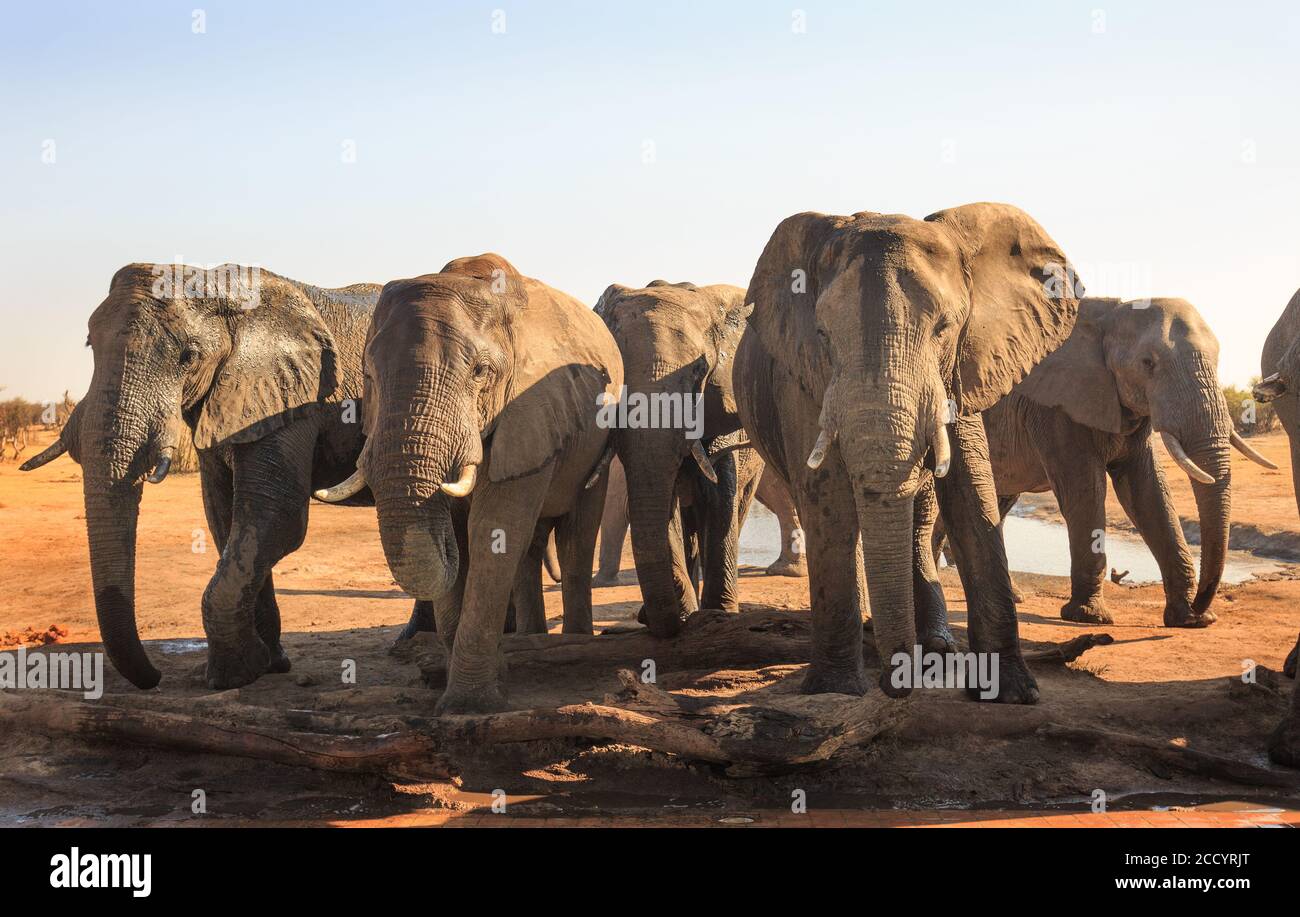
[{"x": 339, "y": 604}]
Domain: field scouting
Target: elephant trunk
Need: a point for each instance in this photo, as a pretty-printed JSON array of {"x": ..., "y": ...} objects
[
  {"x": 657, "y": 546},
  {"x": 1205, "y": 442},
  {"x": 114, "y": 449},
  {"x": 414, "y": 517},
  {"x": 886, "y": 526}
]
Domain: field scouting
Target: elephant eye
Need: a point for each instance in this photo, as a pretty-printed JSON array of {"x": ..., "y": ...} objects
[
  {"x": 189, "y": 354},
  {"x": 1149, "y": 364},
  {"x": 482, "y": 370}
]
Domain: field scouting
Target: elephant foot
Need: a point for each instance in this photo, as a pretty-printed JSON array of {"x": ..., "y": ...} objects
[
  {"x": 797, "y": 567},
  {"x": 1092, "y": 611},
  {"x": 662, "y": 626},
  {"x": 1284, "y": 743},
  {"x": 826, "y": 680},
  {"x": 1180, "y": 614},
  {"x": 603, "y": 579},
  {"x": 279, "y": 661},
  {"x": 1012, "y": 683},
  {"x": 1017, "y": 595},
  {"x": 936, "y": 638},
  {"x": 1288, "y": 667},
  {"x": 228, "y": 669},
  {"x": 422, "y": 621},
  {"x": 456, "y": 701}
]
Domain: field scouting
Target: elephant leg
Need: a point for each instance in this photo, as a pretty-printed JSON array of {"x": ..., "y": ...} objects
[
  {"x": 836, "y": 585},
  {"x": 613, "y": 525},
  {"x": 1289, "y": 667},
  {"x": 526, "y": 599},
  {"x": 968, "y": 501},
  {"x": 502, "y": 514},
  {"x": 1005, "y": 502},
  {"x": 1284, "y": 743},
  {"x": 932, "y": 631},
  {"x": 422, "y": 621},
  {"x": 1142, "y": 492},
  {"x": 575, "y": 537},
  {"x": 271, "y": 487},
  {"x": 720, "y": 536},
  {"x": 773, "y": 493},
  {"x": 1081, "y": 494},
  {"x": 447, "y": 608}
]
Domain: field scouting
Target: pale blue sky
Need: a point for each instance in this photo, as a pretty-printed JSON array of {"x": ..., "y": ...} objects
[{"x": 1159, "y": 143}]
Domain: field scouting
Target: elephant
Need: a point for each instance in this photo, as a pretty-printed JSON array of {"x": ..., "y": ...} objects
[
  {"x": 870, "y": 336},
  {"x": 1280, "y": 384},
  {"x": 478, "y": 366},
  {"x": 771, "y": 492},
  {"x": 1088, "y": 411},
  {"x": 264, "y": 373},
  {"x": 690, "y": 476}
]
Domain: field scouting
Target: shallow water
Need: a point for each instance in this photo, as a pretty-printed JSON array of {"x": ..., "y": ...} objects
[{"x": 1033, "y": 546}]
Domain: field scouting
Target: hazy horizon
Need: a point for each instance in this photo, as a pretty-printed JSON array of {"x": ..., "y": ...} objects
[{"x": 593, "y": 143}]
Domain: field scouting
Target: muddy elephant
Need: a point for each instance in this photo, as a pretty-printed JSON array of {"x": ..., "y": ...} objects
[
  {"x": 264, "y": 373},
  {"x": 478, "y": 367},
  {"x": 1087, "y": 412},
  {"x": 689, "y": 470},
  {"x": 1280, "y": 384},
  {"x": 871, "y": 336},
  {"x": 771, "y": 492}
]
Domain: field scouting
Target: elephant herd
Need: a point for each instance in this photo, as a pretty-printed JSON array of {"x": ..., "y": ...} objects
[{"x": 885, "y": 381}]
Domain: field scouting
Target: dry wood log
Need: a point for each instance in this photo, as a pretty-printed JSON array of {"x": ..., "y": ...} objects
[
  {"x": 1163, "y": 757},
  {"x": 1070, "y": 650}
]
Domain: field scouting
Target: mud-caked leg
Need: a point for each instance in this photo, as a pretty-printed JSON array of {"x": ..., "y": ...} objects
[{"x": 969, "y": 504}]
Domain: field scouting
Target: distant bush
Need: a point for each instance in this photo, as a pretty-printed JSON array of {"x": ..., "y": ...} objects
[{"x": 1243, "y": 408}]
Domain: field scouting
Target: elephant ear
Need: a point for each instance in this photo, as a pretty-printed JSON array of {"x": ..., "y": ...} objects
[
  {"x": 282, "y": 366},
  {"x": 1075, "y": 377},
  {"x": 784, "y": 291},
  {"x": 559, "y": 375},
  {"x": 1023, "y": 299}
]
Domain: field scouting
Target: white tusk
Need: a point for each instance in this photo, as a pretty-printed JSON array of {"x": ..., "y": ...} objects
[
  {"x": 340, "y": 492},
  {"x": 706, "y": 467},
  {"x": 1250, "y": 453},
  {"x": 942, "y": 451},
  {"x": 818, "y": 454},
  {"x": 461, "y": 488},
  {"x": 53, "y": 451},
  {"x": 1180, "y": 456}
]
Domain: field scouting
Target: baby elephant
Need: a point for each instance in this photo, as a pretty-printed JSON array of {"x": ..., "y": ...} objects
[
  {"x": 479, "y": 380},
  {"x": 1087, "y": 413}
]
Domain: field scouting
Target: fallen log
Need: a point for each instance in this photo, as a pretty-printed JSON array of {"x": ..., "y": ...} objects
[
  {"x": 1070, "y": 650},
  {"x": 1162, "y": 757},
  {"x": 789, "y": 732}
]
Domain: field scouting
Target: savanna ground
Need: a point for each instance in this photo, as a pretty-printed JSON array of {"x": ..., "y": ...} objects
[{"x": 948, "y": 760}]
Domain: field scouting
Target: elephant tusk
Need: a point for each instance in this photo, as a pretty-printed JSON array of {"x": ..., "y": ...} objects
[
  {"x": 160, "y": 470},
  {"x": 53, "y": 451},
  {"x": 1250, "y": 453},
  {"x": 340, "y": 492},
  {"x": 706, "y": 467},
  {"x": 462, "y": 487},
  {"x": 818, "y": 454},
  {"x": 601, "y": 466},
  {"x": 1180, "y": 456},
  {"x": 942, "y": 451}
]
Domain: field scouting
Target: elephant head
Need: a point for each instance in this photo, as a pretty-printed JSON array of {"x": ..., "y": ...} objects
[
  {"x": 888, "y": 324},
  {"x": 226, "y": 355},
  {"x": 678, "y": 341},
  {"x": 1130, "y": 362},
  {"x": 451, "y": 383}
]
